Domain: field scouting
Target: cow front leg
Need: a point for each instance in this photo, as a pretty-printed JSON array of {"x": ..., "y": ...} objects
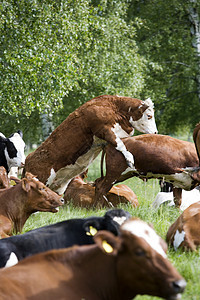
[
  {"x": 114, "y": 136},
  {"x": 177, "y": 195}
]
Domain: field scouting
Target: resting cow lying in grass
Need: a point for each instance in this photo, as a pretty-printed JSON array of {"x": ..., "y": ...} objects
[
  {"x": 184, "y": 232},
  {"x": 4, "y": 180},
  {"x": 60, "y": 235},
  {"x": 117, "y": 268},
  {"x": 17, "y": 203},
  {"x": 82, "y": 194},
  {"x": 77, "y": 141}
]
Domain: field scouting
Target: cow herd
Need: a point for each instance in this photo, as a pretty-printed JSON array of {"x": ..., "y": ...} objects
[{"x": 113, "y": 257}]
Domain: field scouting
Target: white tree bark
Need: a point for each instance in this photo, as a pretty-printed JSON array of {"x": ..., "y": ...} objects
[
  {"x": 195, "y": 31},
  {"x": 47, "y": 124}
]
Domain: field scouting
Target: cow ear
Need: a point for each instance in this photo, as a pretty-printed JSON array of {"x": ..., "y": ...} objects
[
  {"x": 107, "y": 242},
  {"x": 91, "y": 227},
  {"x": 20, "y": 133},
  {"x": 26, "y": 185}
]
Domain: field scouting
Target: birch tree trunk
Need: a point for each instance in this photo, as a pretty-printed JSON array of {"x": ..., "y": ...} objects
[
  {"x": 195, "y": 31},
  {"x": 47, "y": 124}
]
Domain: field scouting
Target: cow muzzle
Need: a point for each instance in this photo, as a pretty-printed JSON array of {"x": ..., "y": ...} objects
[{"x": 178, "y": 287}]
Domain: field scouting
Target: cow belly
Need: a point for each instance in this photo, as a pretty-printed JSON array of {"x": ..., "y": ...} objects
[
  {"x": 59, "y": 181},
  {"x": 179, "y": 180}
]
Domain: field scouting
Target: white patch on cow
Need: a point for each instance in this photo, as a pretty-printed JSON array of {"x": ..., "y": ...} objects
[
  {"x": 13, "y": 260},
  {"x": 66, "y": 174},
  {"x": 147, "y": 123},
  {"x": 120, "y": 133},
  {"x": 163, "y": 197},
  {"x": 119, "y": 220},
  {"x": 178, "y": 239},
  {"x": 188, "y": 198},
  {"x": 51, "y": 177},
  {"x": 179, "y": 180},
  {"x": 1, "y": 134},
  {"x": 19, "y": 144},
  {"x": 13, "y": 171},
  {"x": 143, "y": 230}
]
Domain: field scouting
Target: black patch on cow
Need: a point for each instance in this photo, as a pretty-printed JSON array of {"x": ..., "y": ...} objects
[
  {"x": 12, "y": 151},
  {"x": 3, "y": 161}
]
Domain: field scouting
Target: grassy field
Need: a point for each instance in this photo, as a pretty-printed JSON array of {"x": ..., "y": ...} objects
[{"x": 188, "y": 264}]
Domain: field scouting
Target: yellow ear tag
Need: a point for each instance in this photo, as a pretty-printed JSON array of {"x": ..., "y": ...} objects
[
  {"x": 107, "y": 247},
  {"x": 92, "y": 231},
  {"x": 12, "y": 182}
]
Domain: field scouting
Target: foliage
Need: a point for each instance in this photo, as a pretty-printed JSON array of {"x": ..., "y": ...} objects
[
  {"x": 64, "y": 51},
  {"x": 164, "y": 38}
]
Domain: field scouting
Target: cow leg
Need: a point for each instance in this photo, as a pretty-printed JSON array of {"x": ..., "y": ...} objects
[
  {"x": 102, "y": 187},
  {"x": 177, "y": 194},
  {"x": 114, "y": 137}
]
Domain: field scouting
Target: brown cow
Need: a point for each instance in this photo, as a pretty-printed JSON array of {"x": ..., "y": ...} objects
[
  {"x": 17, "y": 203},
  {"x": 156, "y": 156},
  {"x": 77, "y": 141},
  {"x": 114, "y": 268},
  {"x": 184, "y": 232},
  {"x": 82, "y": 194},
  {"x": 4, "y": 180}
]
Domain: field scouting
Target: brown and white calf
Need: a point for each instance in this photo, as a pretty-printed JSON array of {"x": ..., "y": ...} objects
[
  {"x": 82, "y": 194},
  {"x": 77, "y": 141},
  {"x": 17, "y": 203},
  {"x": 156, "y": 156},
  {"x": 115, "y": 267},
  {"x": 184, "y": 232}
]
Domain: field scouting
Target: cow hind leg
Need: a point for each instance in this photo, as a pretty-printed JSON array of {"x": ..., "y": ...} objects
[{"x": 177, "y": 194}]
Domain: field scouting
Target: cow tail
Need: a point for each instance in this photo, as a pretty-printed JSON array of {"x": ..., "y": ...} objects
[{"x": 102, "y": 159}]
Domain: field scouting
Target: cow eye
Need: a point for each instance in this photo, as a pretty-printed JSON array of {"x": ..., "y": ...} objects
[
  {"x": 149, "y": 117},
  {"x": 42, "y": 188},
  {"x": 140, "y": 252}
]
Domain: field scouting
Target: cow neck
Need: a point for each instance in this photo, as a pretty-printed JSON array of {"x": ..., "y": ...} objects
[
  {"x": 15, "y": 208},
  {"x": 97, "y": 270}
]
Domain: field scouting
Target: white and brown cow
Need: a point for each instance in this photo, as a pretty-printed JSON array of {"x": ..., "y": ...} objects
[
  {"x": 17, "y": 203},
  {"x": 77, "y": 141},
  {"x": 156, "y": 156},
  {"x": 115, "y": 268},
  {"x": 184, "y": 232}
]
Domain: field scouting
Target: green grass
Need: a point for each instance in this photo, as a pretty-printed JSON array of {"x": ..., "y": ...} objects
[{"x": 187, "y": 263}]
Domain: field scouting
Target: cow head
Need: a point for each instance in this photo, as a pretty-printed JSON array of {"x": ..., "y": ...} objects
[
  {"x": 14, "y": 149},
  {"x": 40, "y": 197},
  {"x": 146, "y": 123},
  {"x": 142, "y": 264}
]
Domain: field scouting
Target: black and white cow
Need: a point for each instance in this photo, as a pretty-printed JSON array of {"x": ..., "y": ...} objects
[
  {"x": 60, "y": 235},
  {"x": 12, "y": 150}
]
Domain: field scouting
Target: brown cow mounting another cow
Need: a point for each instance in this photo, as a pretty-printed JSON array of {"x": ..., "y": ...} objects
[
  {"x": 156, "y": 156},
  {"x": 82, "y": 194},
  {"x": 184, "y": 232},
  {"x": 77, "y": 141},
  {"x": 17, "y": 203},
  {"x": 114, "y": 268}
]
